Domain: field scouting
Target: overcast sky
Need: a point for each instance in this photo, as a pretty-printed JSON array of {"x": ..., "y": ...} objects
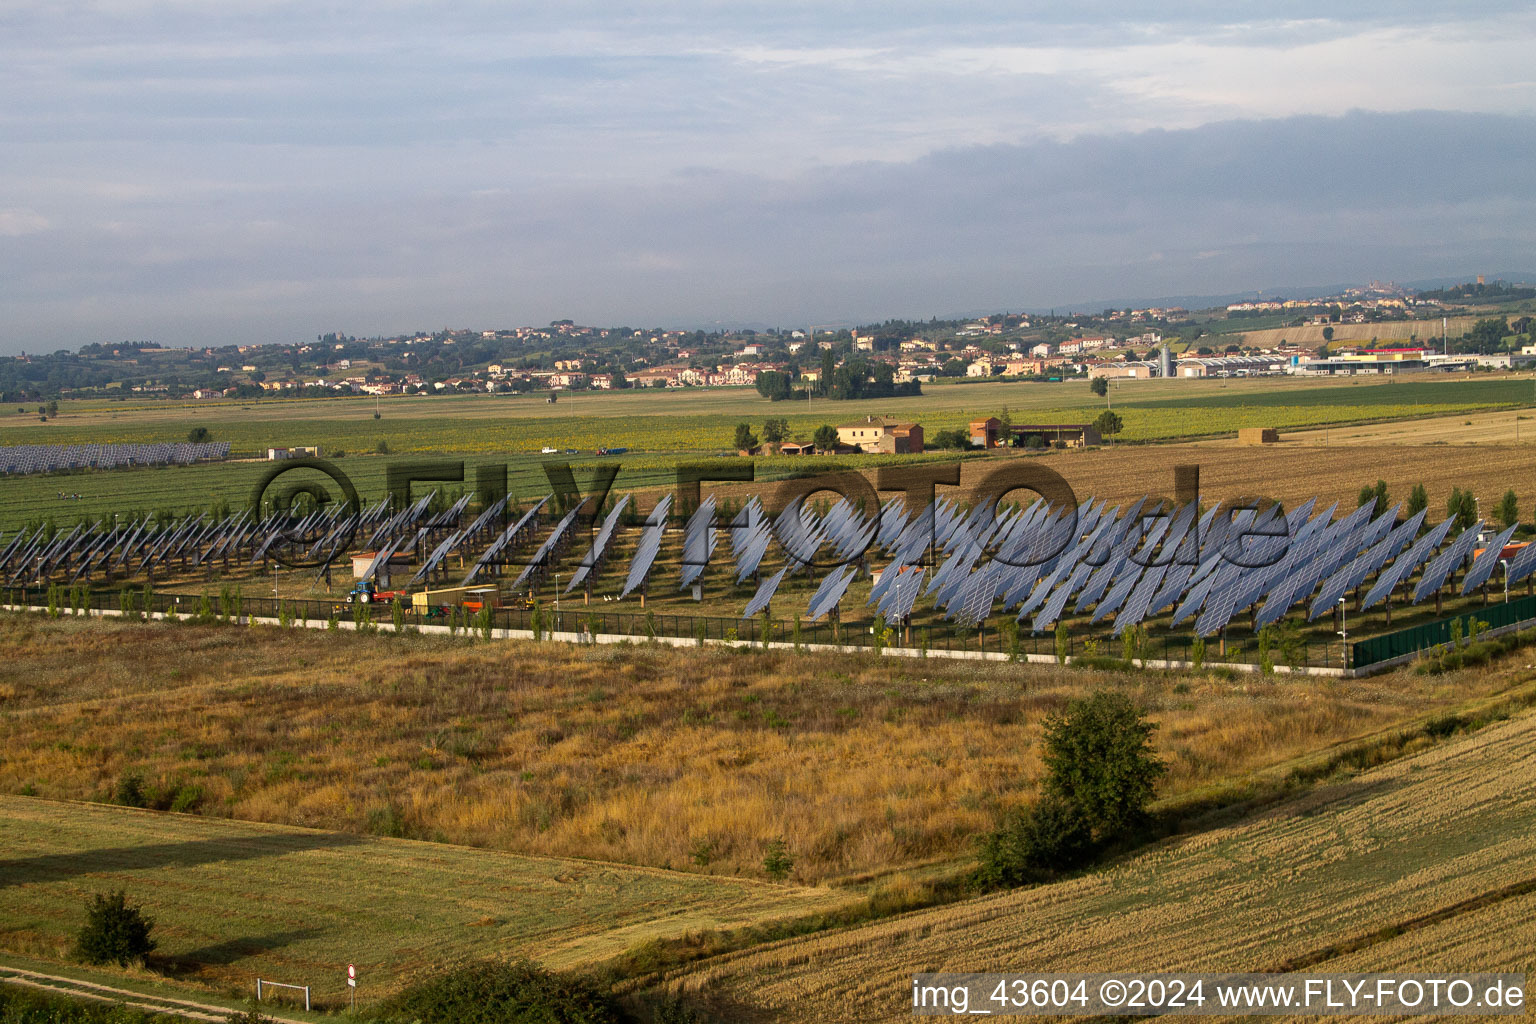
[{"x": 247, "y": 171}]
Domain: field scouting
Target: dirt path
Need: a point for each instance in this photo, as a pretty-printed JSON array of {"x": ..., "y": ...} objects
[{"x": 77, "y": 989}]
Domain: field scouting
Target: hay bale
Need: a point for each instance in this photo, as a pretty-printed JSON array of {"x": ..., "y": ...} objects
[{"x": 1258, "y": 435}]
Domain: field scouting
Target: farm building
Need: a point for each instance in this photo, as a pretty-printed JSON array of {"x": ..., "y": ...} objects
[
  {"x": 277, "y": 454},
  {"x": 989, "y": 433},
  {"x": 1130, "y": 370},
  {"x": 882, "y": 434}
]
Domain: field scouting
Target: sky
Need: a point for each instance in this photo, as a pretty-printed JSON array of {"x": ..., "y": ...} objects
[{"x": 247, "y": 171}]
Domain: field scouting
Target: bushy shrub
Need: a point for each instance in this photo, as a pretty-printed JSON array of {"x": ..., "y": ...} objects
[
  {"x": 1051, "y": 837},
  {"x": 777, "y": 861},
  {"x": 1098, "y": 757},
  {"x": 495, "y": 993},
  {"x": 130, "y": 790},
  {"x": 114, "y": 932}
]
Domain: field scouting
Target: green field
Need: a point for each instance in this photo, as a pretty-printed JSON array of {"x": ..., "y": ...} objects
[
  {"x": 659, "y": 429},
  {"x": 237, "y": 900},
  {"x": 703, "y": 421}
]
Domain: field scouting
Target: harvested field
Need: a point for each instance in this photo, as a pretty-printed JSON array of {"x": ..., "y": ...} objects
[
  {"x": 1450, "y": 824},
  {"x": 1311, "y": 335},
  {"x": 1509, "y": 427},
  {"x": 1293, "y": 470},
  {"x": 233, "y": 900}
]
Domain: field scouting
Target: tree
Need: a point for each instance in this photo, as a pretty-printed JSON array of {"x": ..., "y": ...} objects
[
  {"x": 1418, "y": 500},
  {"x": 1509, "y": 509},
  {"x": 775, "y": 430},
  {"x": 1099, "y": 386},
  {"x": 1109, "y": 423},
  {"x": 951, "y": 439},
  {"x": 745, "y": 439},
  {"x": 1488, "y": 335},
  {"x": 53, "y": 408},
  {"x": 199, "y": 435},
  {"x": 1377, "y": 494},
  {"x": 1327, "y": 333},
  {"x": 828, "y": 365},
  {"x": 1052, "y": 836},
  {"x": 1004, "y": 421},
  {"x": 825, "y": 438},
  {"x": 1462, "y": 507},
  {"x": 773, "y": 385},
  {"x": 114, "y": 932},
  {"x": 1098, "y": 758}
]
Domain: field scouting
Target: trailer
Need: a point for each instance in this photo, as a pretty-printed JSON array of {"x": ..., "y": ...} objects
[{"x": 435, "y": 602}]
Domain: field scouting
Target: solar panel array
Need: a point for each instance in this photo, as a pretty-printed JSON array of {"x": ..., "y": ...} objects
[
  {"x": 51, "y": 458},
  {"x": 1038, "y": 563}
]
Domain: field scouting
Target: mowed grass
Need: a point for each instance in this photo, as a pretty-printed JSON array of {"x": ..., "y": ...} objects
[
  {"x": 233, "y": 901},
  {"x": 685, "y": 759},
  {"x": 1326, "y": 871}
]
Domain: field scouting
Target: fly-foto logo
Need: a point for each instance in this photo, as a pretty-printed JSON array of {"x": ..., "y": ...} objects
[{"x": 312, "y": 514}]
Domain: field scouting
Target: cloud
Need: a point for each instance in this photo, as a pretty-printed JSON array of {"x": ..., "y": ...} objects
[
  {"x": 688, "y": 160},
  {"x": 1224, "y": 208},
  {"x": 16, "y": 222}
]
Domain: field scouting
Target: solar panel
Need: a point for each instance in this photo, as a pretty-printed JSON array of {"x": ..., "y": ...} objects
[
  {"x": 976, "y": 595},
  {"x": 831, "y": 591},
  {"x": 1169, "y": 591},
  {"x": 1140, "y": 601},
  {"x": 592, "y": 561},
  {"x": 1449, "y": 560},
  {"x": 435, "y": 558},
  {"x": 508, "y": 537},
  {"x": 765, "y": 592},
  {"x": 542, "y": 557},
  {"x": 1099, "y": 581},
  {"x": 698, "y": 542},
  {"x": 745, "y": 525},
  {"x": 1485, "y": 563},
  {"x": 1522, "y": 565},
  {"x": 1058, "y": 599},
  {"x": 903, "y": 593},
  {"x": 800, "y": 532},
  {"x": 1124, "y": 584},
  {"x": 649, "y": 546},
  {"x": 1405, "y": 565}
]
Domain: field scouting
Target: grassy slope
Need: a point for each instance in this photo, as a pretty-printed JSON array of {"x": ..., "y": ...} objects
[
  {"x": 679, "y": 759},
  {"x": 1446, "y": 825},
  {"x": 236, "y": 899}
]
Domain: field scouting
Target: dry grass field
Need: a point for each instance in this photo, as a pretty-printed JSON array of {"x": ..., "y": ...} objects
[
  {"x": 685, "y": 759},
  {"x": 235, "y": 900},
  {"x": 1363, "y": 853}
]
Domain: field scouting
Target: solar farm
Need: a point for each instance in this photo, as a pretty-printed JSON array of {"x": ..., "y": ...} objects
[
  {"x": 57, "y": 458},
  {"x": 1024, "y": 574}
]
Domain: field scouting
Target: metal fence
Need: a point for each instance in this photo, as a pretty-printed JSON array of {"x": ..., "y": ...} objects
[
  {"x": 1377, "y": 649},
  {"x": 230, "y": 604}
]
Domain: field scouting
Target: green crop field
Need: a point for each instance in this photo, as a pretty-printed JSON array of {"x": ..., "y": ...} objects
[
  {"x": 703, "y": 421},
  {"x": 659, "y": 430},
  {"x": 237, "y": 900}
]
